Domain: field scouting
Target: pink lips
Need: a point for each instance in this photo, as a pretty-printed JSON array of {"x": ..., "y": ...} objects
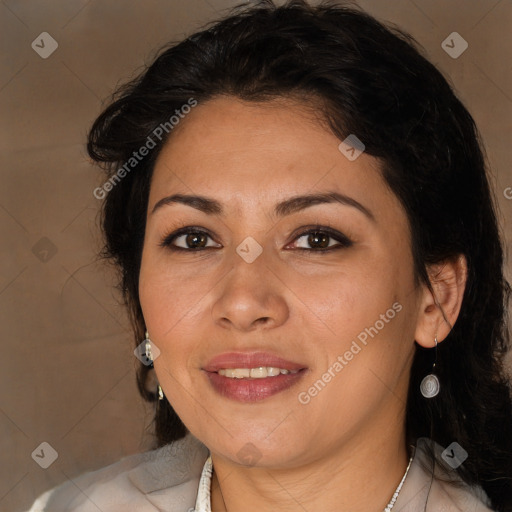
[
  {"x": 251, "y": 390},
  {"x": 249, "y": 360}
]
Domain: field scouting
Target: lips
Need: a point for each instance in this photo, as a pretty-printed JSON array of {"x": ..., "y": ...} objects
[
  {"x": 250, "y": 360},
  {"x": 249, "y": 389}
]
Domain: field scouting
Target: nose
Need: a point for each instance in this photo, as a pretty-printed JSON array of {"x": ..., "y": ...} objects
[{"x": 250, "y": 297}]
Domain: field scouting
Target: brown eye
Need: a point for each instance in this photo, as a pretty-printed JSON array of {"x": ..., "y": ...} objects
[
  {"x": 189, "y": 239},
  {"x": 195, "y": 240},
  {"x": 321, "y": 240},
  {"x": 318, "y": 240}
]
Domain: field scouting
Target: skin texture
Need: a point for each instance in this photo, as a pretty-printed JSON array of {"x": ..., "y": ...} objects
[{"x": 345, "y": 449}]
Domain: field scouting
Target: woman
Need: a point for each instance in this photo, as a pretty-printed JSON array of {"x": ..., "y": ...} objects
[{"x": 299, "y": 208}]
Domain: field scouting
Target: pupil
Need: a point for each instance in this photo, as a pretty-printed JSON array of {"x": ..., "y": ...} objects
[
  {"x": 196, "y": 238},
  {"x": 318, "y": 240}
]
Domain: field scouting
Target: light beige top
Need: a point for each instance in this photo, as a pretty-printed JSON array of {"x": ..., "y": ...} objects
[{"x": 167, "y": 480}]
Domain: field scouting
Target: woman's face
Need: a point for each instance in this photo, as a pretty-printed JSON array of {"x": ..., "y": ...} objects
[{"x": 260, "y": 278}]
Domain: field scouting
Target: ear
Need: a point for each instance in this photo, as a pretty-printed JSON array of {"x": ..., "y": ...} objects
[{"x": 439, "y": 310}]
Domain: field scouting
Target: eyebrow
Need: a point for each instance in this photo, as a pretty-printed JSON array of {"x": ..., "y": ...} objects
[{"x": 287, "y": 207}]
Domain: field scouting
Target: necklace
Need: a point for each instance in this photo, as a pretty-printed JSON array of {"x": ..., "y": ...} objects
[
  {"x": 391, "y": 504},
  {"x": 388, "y": 508}
]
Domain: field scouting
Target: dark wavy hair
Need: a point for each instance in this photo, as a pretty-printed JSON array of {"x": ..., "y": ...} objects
[{"x": 373, "y": 81}]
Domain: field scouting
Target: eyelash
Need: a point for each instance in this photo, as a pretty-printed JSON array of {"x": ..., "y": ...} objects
[{"x": 344, "y": 241}]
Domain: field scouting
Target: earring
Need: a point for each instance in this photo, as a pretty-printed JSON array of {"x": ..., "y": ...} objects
[
  {"x": 147, "y": 349},
  {"x": 430, "y": 385},
  {"x": 149, "y": 356}
]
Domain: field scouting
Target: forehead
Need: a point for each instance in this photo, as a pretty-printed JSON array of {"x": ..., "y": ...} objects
[{"x": 257, "y": 153}]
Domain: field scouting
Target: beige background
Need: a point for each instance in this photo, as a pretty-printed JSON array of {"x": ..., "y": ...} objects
[{"x": 67, "y": 371}]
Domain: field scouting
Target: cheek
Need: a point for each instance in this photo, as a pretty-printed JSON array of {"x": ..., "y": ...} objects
[
  {"x": 348, "y": 300},
  {"x": 373, "y": 328},
  {"x": 367, "y": 329},
  {"x": 167, "y": 297},
  {"x": 168, "y": 304}
]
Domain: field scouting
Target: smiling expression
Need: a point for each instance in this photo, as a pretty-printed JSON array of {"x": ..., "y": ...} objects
[{"x": 267, "y": 249}]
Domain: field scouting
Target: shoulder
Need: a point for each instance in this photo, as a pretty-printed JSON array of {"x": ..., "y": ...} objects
[
  {"x": 159, "y": 480},
  {"x": 438, "y": 488}
]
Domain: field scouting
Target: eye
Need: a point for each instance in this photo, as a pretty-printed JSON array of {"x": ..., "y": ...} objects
[
  {"x": 188, "y": 239},
  {"x": 321, "y": 239},
  {"x": 316, "y": 239}
]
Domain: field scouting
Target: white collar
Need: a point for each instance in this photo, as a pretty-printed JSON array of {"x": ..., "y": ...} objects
[
  {"x": 203, "y": 500},
  {"x": 167, "y": 479}
]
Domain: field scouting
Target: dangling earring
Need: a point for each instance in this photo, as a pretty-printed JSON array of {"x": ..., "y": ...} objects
[
  {"x": 430, "y": 385},
  {"x": 147, "y": 350},
  {"x": 149, "y": 356}
]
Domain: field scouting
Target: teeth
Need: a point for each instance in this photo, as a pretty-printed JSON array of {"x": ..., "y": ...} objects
[{"x": 261, "y": 372}]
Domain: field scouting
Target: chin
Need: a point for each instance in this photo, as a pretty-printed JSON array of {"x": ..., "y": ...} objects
[{"x": 266, "y": 451}]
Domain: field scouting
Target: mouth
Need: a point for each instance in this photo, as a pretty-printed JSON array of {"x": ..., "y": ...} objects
[
  {"x": 260, "y": 372},
  {"x": 252, "y": 377}
]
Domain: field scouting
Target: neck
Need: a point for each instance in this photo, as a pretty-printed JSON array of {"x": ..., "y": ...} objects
[{"x": 359, "y": 476}]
